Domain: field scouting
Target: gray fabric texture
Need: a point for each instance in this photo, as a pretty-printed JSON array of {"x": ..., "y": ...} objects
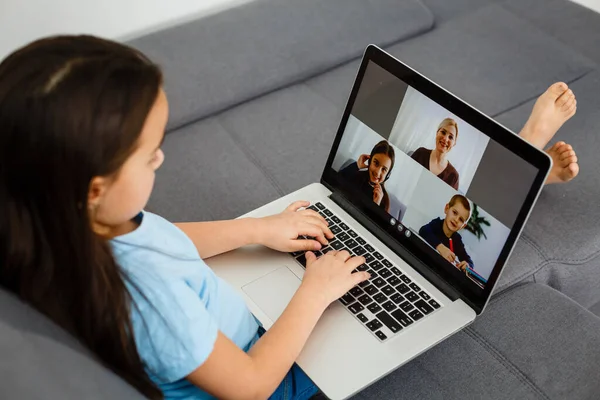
[
  {"x": 523, "y": 62},
  {"x": 41, "y": 361},
  {"x": 568, "y": 22},
  {"x": 217, "y": 62},
  {"x": 522, "y": 265},
  {"x": 208, "y": 176},
  {"x": 520, "y": 64},
  {"x": 595, "y": 308},
  {"x": 563, "y": 226},
  {"x": 335, "y": 85},
  {"x": 445, "y": 11},
  {"x": 296, "y": 128},
  {"x": 522, "y": 347}
]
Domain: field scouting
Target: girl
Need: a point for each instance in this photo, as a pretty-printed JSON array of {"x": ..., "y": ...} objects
[
  {"x": 82, "y": 123},
  {"x": 370, "y": 172}
]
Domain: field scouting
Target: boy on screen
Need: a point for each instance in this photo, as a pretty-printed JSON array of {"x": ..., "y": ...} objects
[{"x": 443, "y": 235}]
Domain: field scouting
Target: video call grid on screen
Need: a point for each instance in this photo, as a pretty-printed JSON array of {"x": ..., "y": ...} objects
[{"x": 387, "y": 113}]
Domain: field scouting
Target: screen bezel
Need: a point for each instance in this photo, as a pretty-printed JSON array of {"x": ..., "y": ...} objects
[{"x": 476, "y": 297}]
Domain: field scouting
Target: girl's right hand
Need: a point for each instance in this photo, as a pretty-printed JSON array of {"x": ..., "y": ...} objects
[
  {"x": 362, "y": 161},
  {"x": 331, "y": 276},
  {"x": 377, "y": 194}
]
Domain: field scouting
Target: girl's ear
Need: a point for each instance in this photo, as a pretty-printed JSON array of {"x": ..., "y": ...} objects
[
  {"x": 96, "y": 194},
  {"x": 98, "y": 187}
]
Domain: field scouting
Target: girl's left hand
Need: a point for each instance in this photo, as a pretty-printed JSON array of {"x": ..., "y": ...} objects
[{"x": 280, "y": 232}]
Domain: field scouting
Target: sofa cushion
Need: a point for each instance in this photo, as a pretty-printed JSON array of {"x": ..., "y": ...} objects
[
  {"x": 444, "y": 10},
  {"x": 207, "y": 176},
  {"x": 489, "y": 57},
  {"x": 595, "y": 308},
  {"x": 335, "y": 85},
  {"x": 492, "y": 59},
  {"x": 568, "y": 22},
  {"x": 288, "y": 133},
  {"x": 564, "y": 223},
  {"x": 227, "y": 58},
  {"x": 530, "y": 343},
  {"x": 41, "y": 361}
]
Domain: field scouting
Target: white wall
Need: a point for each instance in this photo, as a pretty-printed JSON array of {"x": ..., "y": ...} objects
[
  {"x": 593, "y": 4},
  {"x": 22, "y": 21}
]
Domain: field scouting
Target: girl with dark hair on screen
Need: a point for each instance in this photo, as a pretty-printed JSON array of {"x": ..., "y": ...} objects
[{"x": 369, "y": 173}]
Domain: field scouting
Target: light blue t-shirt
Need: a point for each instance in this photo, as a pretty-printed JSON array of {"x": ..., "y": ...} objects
[{"x": 179, "y": 304}]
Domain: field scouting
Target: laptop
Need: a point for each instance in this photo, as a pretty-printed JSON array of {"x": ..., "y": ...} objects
[{"x": 435, "y": 240}]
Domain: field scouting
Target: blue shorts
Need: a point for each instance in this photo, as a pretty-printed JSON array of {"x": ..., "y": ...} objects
[{"x": 295, "y": 386}]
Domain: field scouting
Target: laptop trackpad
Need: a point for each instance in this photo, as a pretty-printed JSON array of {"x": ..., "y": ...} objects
[{"x": 273, "y": 292}]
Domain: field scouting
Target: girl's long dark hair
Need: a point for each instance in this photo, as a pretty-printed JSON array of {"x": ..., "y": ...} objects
[{"x": 71, "y": 109}]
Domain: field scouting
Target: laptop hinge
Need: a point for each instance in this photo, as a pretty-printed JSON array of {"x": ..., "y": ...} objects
[{"x": 401, "y": 251}]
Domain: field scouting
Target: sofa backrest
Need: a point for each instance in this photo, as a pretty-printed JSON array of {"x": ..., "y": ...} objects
[{"x": 214, "y": 63}]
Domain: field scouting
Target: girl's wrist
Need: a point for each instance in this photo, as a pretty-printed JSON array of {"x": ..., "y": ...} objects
[
  {"x": 313, "y": 299},
  {"x": 253, "y": 230}
]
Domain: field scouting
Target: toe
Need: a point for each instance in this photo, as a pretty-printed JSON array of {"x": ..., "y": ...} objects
[
  {"x": 572, "y": 159},
  {"x": 558, "y": 147},
  {"x": 558, "y": 88},
  {"x": 568, "y": 104},
  {"x": 564, "y": 98},
  {"x": 573, "y": 170},
  {"x": 566, "y": 154}
]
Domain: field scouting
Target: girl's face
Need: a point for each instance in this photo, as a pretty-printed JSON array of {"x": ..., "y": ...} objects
[
  {"x": 117, "y": 200},
  {"x": 445, "y": 139},
  {"x": 379, "y": 166}
]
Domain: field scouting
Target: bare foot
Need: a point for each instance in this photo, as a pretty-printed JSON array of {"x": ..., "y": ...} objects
[
  {"x": 564, "y": 163},
  {"x": 551, "y": 110}
]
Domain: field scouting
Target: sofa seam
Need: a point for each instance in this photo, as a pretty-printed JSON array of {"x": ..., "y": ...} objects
[
  {"x": 525, "y": 239},
  {"x": 571, "y": 261},
  {"x": 505, "y": 362},
  {"x": 545, "y": 261}
]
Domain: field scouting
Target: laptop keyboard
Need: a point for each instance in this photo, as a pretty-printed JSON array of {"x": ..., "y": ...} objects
[{"x": 388, "y": 302}]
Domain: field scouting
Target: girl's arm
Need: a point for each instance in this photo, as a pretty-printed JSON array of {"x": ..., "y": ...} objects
[
  {"x": 279, "y": 232},
  {"x": 229, "y": 373},
  {"x": 217, "y": 237}
]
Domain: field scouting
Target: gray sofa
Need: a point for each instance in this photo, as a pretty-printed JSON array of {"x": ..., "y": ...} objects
[{"x": 256, "y": 93}]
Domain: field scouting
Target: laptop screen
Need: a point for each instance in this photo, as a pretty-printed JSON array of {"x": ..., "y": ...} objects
[{"x": 432, "y": 179}]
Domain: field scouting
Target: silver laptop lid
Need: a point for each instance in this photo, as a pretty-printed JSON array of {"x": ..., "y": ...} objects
[{"x": 446, "y": 187}]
